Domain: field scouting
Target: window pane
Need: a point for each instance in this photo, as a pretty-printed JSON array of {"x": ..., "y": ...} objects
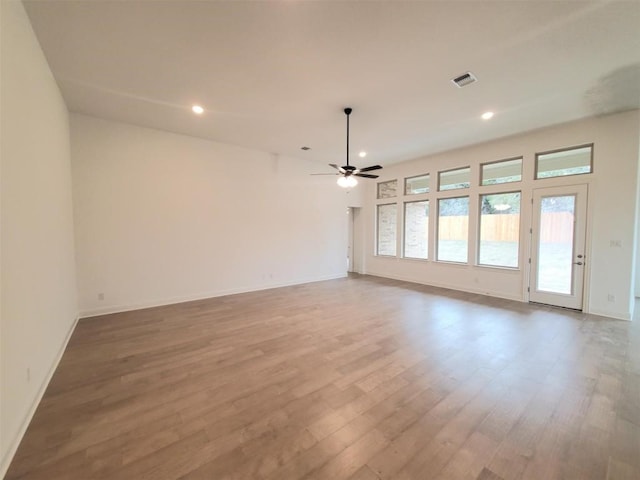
[
  {"x": 502, "y": 172},
  {"x": 416, "y": 229},
  {"x": 453, "y": 229},
  {"x": 499, "y": 229},
  {"x": 454, "y": 179},
  {"x": 555, "y": 254},
  {"x": 575, "y": 161},
  {"x": 387, "y": 224},
  {"x": 387, "y": 189},
  {"x": 416, "y": 185}
]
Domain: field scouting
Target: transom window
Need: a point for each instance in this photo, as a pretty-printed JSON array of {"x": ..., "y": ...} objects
[
  {"x": 570, "y": 161},
  {"x": 503, "y": 171},
  {"x": 416, "y": 185},
  {"x": 387, "y": 189},
  {"x": 454, "y": 179}
]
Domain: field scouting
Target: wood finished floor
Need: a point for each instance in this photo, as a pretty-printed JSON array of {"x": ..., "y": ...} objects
[{"x": 359, "y": 378}]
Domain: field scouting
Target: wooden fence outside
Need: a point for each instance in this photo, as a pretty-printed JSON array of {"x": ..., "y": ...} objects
[{"x": 556, "y": 227}]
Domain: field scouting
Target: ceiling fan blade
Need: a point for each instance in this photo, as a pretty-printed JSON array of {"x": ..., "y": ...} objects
[
  {"x": 365, "y": 175},
  {"x": 340, "y": 169},
  {"x": 324, "y": 174},
  {"x": 368, "y": 169}
]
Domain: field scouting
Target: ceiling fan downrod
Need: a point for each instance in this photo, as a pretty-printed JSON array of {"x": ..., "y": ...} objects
[
  {"x": 347, "y": 112},
  {"x": 348, "y": 172}
]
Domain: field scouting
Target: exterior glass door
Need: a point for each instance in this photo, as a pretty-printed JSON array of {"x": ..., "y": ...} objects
[{"x": 558, "y": 240}]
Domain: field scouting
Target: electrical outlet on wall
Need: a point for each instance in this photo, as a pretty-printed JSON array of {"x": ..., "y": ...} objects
[
  {"x": 101, "y": 296},
  {"x": 611, "y": 298},
  {"x": 28, "y": 374}
]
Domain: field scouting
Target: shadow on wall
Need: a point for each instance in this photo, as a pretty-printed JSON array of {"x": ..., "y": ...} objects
[{"x": 616, "y": 92}]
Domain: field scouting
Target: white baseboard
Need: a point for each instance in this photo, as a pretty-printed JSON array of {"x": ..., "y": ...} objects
[
  {"x": 484, "y": 292},
  {"x": 614, "y": 315},
  {"x": 15, "y": 443},
  {"x": 617, "y": 315},
  {"x": 202, "y": 296}
]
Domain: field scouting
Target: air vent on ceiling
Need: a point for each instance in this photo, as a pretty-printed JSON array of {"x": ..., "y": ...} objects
[{"x": 464, "y": 79}]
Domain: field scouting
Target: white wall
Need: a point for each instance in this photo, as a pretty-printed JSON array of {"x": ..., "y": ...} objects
[
  {"x": 611, "y": 216},
  {"x": 38, "y": 290},
  {"x": 637, "y": 252},
  {"x": 162, "y": 218}
]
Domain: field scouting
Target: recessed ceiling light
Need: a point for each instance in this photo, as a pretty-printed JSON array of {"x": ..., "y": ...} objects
[
  {"x": 487, "y": 115},
  {"x": 362, "y": 154},
  {"x": 197, "y": 109}
]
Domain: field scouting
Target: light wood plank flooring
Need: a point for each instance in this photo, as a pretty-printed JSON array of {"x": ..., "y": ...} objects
[{"x": 359, "y": 378}]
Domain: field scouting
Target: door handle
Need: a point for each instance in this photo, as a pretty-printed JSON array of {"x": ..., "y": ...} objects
[
  {"x": 577, "y": 263},
  {"x": 579, "y": 256}
]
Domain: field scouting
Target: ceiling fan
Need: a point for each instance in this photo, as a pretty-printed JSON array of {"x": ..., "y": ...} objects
[{"x": 348, "y": 172}]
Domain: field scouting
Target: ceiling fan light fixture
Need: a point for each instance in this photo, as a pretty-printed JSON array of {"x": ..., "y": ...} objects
[
  {"x": 347, "y": 182},
  {"x": 349, "y": 172}
]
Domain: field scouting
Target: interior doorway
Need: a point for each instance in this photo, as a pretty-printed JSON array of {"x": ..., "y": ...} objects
[
  {"x": 354, "y": 244},
  {"x": 558, "y": 237}
]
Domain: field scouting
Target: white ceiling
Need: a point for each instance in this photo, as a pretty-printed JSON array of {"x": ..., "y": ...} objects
[{"x": 275, "y": 76}]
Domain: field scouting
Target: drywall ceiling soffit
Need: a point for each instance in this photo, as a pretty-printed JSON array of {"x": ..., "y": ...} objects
[{"x": 275, "y": 76}]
